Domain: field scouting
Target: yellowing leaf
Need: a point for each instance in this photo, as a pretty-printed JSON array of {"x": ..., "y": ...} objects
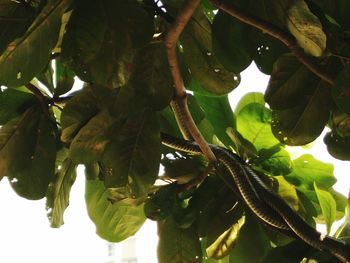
[{"x": 306, "y": 28}]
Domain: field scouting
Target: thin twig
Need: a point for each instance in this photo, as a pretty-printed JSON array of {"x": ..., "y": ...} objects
[
  {"x": 275, "y": 32},
  {"x": 180, "y": 99}
]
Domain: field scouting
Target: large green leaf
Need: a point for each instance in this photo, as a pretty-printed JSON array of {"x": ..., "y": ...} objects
[
  {"x": 13, "y": 103},
  {"x": 328, "y": 206},
  {"x": 177, "y": 245},
  {"x": 28, "y": 152},
  {"x": 197, "y": 51},
  {"x": 253, "y": 122},
  {"x": 64, "y": 77},
  {"x": 133, "y": 155},
  {"x": 102, "y": 37},
  {"x": 218, "y": 111},
  {"x": 77, "y": 112},
  {"x": 58, "y": 192},
  {"x": 248, "y": 98},
  {"x": 300, "y": 102},
  {"x": 114, "y": 222},
  {"x": 151, "y": 76},
  {"x": 307, "y": 170},
  {"x": 229, "y": 43},
  {"x": 28, "y": 55},
  {"x": 92, "y": 139}
]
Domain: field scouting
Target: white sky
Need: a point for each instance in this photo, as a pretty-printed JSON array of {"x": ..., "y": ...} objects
[{"x": 25, "y": 235}]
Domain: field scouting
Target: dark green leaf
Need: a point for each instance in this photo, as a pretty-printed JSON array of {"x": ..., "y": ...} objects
[
  {"x": 341, "y": 90},
  {"x": 177, "y": 245},
  {"x": 229, "y": 43},
  {"x": 304, "y": 123},
  {"x": 15, "y": 19},
  {"x": 132, "y": 157},
  {"x": 162, "y": 203},
  {"x": 13, "y": 103},
  {"x": 46, "y": 77},
  {"x": 28, "y": 153},
  {"x": 77, "y": 112},
  {"x": 92, "y": 139},
  {"x": 151, "y": 76},
  {"x": 64, "y": 78},
  {"x": 244, "y": 148},
  {"x": 337, "y": 146},
  {"x": 203, "y": 64},
  {"x": 29, "y": 54},
  {"x": 114, "y": 222},
  {"x": 58, "y": 192},
  {"x": 102, "y": 38}
]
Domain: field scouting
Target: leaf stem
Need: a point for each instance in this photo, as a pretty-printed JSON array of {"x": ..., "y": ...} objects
[
  {"x": 41, "y": 98},
  {"x": 181, "y": 110},
  {"x": 277, "y": 33}
]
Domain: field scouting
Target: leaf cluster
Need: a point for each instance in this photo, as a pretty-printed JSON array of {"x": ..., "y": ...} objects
[{"x": 113, "y": 122}]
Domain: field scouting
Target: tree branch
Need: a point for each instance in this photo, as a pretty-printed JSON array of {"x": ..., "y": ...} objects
[
  {"x": 41, "y": 98},
  {"x": 276, "y": 33},
  {"x": 179, "y": 103}
]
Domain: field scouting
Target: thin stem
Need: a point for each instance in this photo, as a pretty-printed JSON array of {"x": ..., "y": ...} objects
[
  {"x": 182, "y": 111},
  {"x": 275, "y": 32}
]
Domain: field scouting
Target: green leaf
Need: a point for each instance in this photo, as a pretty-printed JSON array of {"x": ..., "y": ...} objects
[
  {"x": 300, "y": 102},
  {"x": 133, "y": 155},
  {"x": 225, "y": 243},
  {"x": 102, "y": 38},
  {"x": 45, "y": 77},
  {"x": 177, "y": 245},
  {"x": 64, "y": 78},
  {"x": 182, "y": 169},
  {"x": 244, "y": 148},
  {"x": 28, "y": 152},
  {"x": 92, "y": 139},
  {"x": 328, "y": 206},
  {"x": 307, "y": 170},
  {"x": 13, "y": 103},
  {"x": 151, "y": 76},
  {"x": 250, "y": 234},
  {"x": 218, "y": 111},
  {"x": 306, "y": 28},
  {"x": 28, "y": 55},
  {"x": 253, "y": 122},
  {"x": 248, "y": 98},
  {"x": 341, "y": 90},
  {"x": 343, "y": 232},
  {"x": 337, "y": 146},
  {"x": 77, "y": 112},
  {"x": 15, "y": 19},
  {"x": 114, "y": 222},
  {"x": 290, "y": 253},
  {"x": 203, "y": 64},
  {"x": 162, "y": 203},
  {"x": 58, "y": 192},
  {"x": 229, "y": 42}
]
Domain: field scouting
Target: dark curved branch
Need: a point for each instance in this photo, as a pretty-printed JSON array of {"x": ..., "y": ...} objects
[{"x": 275, "y": 32}]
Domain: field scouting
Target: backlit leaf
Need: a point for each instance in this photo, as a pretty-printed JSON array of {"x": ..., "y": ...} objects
[
  {"x": 114, "y": 222},
  {"x": 58, "y": 193},
  {"x": 328, "y": 206}
]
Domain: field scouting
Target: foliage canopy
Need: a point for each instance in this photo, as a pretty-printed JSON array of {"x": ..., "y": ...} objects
[{"x": 113, "y": 124}]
